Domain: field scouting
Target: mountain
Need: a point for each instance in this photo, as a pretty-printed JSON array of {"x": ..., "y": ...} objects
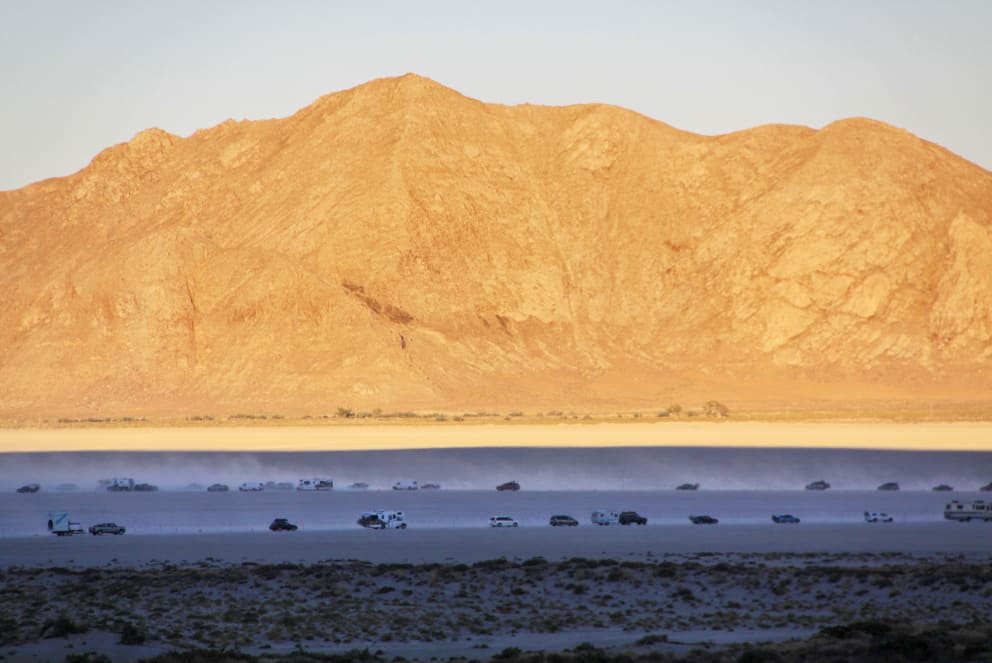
[{"x": 401, "y": 246}]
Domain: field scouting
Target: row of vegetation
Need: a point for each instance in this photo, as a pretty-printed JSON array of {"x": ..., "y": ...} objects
[{"x": 711, "y": 409}]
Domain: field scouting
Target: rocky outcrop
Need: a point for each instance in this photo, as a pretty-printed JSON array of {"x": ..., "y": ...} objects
[{"x": 401, "y": 246}]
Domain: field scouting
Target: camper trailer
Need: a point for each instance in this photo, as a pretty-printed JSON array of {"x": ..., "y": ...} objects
[
  {"x": 605, "y": 518},
  {"x": 964, "y": 512},
  {"x": 60, "y": 525},
  {"x": 382, "y": 519},
  {"x": 315, "y": 484}
]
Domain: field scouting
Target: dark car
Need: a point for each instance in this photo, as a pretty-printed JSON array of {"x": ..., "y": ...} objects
[
  {"x": 687, "y": 486},
  {"x": 632, "y": 518},
  {"x": 703, "y": 520},
  {"x": 943, "y": 488},
  {"x": 282, "y": 525},
  {"x": 785, "y": 518},
  {"x": 106, "y": 528},
  {"x": 29, "y": 488},
  {"x": 509, "y": 485},
  {"x": 563, "y": 521}
]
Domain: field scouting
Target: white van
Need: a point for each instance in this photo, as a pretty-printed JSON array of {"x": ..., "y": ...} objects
[
  {"x": 251, "y": 486},
  {"x": 605, "y": 518},
  {"x": 503, "y": 521}
]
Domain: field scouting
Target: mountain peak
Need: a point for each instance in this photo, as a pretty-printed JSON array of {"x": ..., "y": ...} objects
[{"x": 400, "y": 246}]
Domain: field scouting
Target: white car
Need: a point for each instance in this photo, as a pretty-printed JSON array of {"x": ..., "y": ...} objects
[
  {"x": 503, "y": 521},
  {"x": 877, "y": 517}
]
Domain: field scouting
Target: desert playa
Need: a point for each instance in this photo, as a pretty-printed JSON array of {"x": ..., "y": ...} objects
[{"x": 961, "y": 436}]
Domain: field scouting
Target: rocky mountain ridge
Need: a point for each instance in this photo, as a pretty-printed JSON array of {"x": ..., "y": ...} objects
[{"x": 399, "y": 245}]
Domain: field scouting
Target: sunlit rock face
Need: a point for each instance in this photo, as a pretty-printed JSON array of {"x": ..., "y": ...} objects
[{"x": 401, "y": 246}]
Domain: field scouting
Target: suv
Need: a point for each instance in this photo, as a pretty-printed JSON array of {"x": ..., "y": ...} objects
[
  {"x": 282, "y": 525},
  {"x": 106, "y": 528},
  {"x": 632, "y": 518},
  {"x": 563, "y": 521}
]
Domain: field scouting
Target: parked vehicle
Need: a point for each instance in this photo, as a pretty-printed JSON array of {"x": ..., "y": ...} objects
[
  {"x": 315, "y": 484},
  {"x": 891, "y": 485},
  {"x": 785, "y": 519},
  {"x": 503, "y": 521},
  {"x": 877, "y": 517},
  {"x": 818, "y": 485},
  {"x": 632, "y": 518},
  {"x": 986, "y": 488},
  {"x": 602, "y": 517},
  {"x": 251, "y": 487},
  {"x": 405, "y": 485},
  {"x": 282, "y": 525},
  {"x": 145, "y": 488},
  {"x": 943, "y": 488},
  {"x": 687, "y": 486},
  {"x": 60, "y": 525},
  {"x": 121, "y": 485},
  {"x": 431, "y": 486},
  {"x": 218, "y": 488},
  {"x": 382, "y": 519},
  {"x": 509, "y": 485},
  {"x": 979, "y": 510},
  {"x": 562, "y": 520},
  {"x": 703, "y": 520},
  {"x": 29, "y": 488},
  {"x": 106, "y": 528}
]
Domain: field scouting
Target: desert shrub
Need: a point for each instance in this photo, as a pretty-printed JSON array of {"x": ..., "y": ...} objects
[
  {"x": 87, "y": 657},
  {"x": 345, "y": 413},
  {"x": 133, "y": 635},
  {"x": 61, "y": 627},
  {"x": 759, "y": 656}
]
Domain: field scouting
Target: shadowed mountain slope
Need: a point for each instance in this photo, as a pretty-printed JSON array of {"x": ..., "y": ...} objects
[{"x": 399, "y": 245}]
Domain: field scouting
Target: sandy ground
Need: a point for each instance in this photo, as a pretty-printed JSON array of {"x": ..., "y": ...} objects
[
  {"x": 473, "y": 545},
  {"x": 964, "y": 436}
]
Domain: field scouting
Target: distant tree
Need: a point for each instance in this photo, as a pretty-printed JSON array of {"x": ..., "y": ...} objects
[
  {"x": 716, "y": 409},
  {"x": 345, "y": 413},
  {"x": 675, "y": 410}
]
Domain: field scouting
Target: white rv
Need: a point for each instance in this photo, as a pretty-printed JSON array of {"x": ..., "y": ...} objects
[
  {"x": 405, "y": 485},
  {"x": 979, "y": 510},
  {"x": 60, "y": 525},
  {"x": 251, "y": 486},
  {"x": 382, "y": 519},
  {"x": 605, "y": 518},
  {"x": 315, "y": 484}
]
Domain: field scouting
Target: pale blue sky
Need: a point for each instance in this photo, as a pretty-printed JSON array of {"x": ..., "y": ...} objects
[{"x": 80, "y": 76}]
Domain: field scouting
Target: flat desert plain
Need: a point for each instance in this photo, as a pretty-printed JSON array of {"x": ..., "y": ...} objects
[{"x": 958, "y": 436}]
